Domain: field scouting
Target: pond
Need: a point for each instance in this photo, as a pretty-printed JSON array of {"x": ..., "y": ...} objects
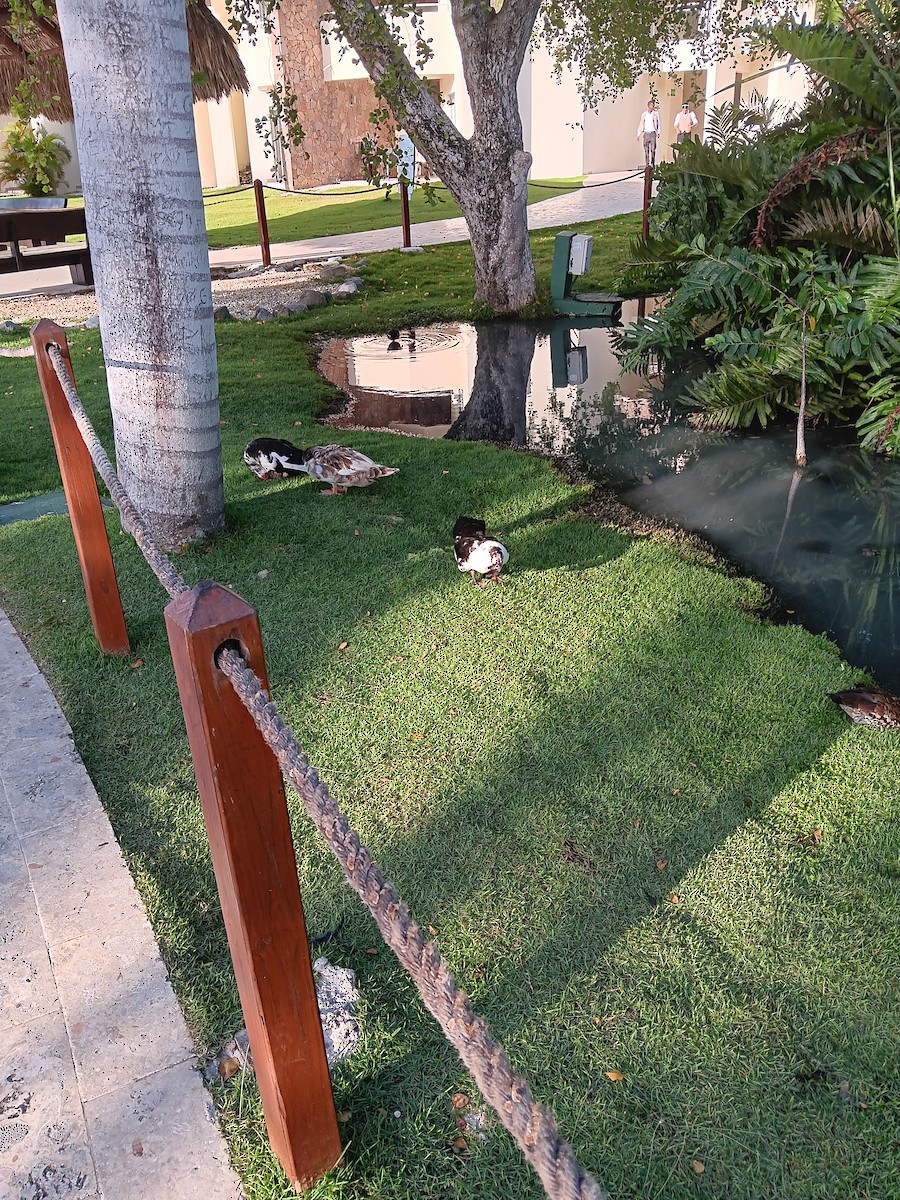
[{"x": 825, "y": 538}]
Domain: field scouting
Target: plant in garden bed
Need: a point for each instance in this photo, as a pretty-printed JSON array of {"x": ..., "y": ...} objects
[{"x": 793, "y": 330}]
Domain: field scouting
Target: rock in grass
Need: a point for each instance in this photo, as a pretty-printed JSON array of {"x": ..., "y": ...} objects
[
  {"x": 314, "y": 299},
  {"x": 263, "y": 314},
  {"x": 222, "y": 313}
]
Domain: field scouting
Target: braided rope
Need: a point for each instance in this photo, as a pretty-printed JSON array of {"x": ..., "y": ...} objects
[
  {"x": 162, "y": 567},
  {"x": 530, "y": 1123}
]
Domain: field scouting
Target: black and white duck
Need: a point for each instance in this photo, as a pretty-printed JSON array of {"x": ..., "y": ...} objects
[
  {"x": 274, "y": 458},
  {"x": 477, "y": 553},
  {"x": 866, "y": 705}
]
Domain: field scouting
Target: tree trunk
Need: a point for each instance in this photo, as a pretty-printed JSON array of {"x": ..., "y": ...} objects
[
  {"x": 487, "y": 173},
  {"x": 800, "y": 449},
  {"x": 496, "y": 409},
  {"x": 131, "y": 91}
]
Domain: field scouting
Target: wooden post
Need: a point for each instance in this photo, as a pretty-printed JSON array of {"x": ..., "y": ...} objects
[
  {"x": 263, "y": 222},
  {"x": 648, "y": 187},
  {"x": 253, "y": 855},
  {"x": 404, "y": 214},
  {"x": 82, "y": 497}
]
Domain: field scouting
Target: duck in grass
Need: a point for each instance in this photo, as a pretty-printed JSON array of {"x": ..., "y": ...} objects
[
  {"x": 866, "y": 705},
  {"x": 477, "y": 553},
  {"x": 273, "y": 458}
]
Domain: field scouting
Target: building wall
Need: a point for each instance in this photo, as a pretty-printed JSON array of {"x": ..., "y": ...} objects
[
  {"x": 335, "y": 114},
  {"x": 552, "y": 122}
]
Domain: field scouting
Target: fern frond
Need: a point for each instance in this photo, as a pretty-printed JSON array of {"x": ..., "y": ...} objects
[{"x": 857, "y": 226}]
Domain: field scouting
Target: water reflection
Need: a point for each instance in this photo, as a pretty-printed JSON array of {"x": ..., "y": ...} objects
[{"x": 825, "y": 538}]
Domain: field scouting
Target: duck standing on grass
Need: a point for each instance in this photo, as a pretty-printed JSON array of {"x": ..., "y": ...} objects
[
  {"x": 869, "y": 706},
  {"x": 476, "y": 552},
  {"x": 273, "y": 458}
]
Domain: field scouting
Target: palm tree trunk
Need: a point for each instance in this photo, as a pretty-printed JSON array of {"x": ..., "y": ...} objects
[{"x": 131, "y": 92}]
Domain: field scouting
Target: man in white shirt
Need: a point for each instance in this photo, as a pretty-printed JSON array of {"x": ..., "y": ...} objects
[
  {"x": 685, "y": 122},
  {"x": 648, "y": 128}
]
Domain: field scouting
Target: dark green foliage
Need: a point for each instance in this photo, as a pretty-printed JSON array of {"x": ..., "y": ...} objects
[{"x": 771, "y": 246}]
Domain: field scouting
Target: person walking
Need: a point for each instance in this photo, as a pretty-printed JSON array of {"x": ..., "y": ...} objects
[
  {"x": 648, "y": 129},
  {"x": 684, "y": 123}
]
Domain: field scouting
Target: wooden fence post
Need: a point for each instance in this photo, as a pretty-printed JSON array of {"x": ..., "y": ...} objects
[
  {"x": 82, "y": 497},
  {"x": 263, "y": 222},
  {"x": 246, "y": 816},
  {"x": 404, "y": 214}
]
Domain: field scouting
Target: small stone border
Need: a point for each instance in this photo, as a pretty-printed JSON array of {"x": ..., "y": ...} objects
[{"x": 247, "y": 293}]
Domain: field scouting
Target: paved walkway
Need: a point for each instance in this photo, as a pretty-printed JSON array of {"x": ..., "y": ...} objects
[
  {"x": 99, "y": 1096},
  {"x": 604, "y": 197}
]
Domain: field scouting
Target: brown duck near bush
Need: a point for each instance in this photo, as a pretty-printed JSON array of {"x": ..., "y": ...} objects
[{"x": 869, "y": 706}]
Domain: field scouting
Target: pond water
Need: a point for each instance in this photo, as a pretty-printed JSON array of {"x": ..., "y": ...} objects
[{"x": 826, "y": 538}]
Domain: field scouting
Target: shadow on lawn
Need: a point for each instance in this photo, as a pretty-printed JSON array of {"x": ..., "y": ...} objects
[{"x": 548, "y": 895}]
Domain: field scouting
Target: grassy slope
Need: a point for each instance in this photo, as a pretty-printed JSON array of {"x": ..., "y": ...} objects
[{"x": 600, "y": 783}]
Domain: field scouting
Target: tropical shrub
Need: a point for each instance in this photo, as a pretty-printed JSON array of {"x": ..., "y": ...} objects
[
  {"x": 781, "y": 255},
  {"x": 33, "y": 159}
]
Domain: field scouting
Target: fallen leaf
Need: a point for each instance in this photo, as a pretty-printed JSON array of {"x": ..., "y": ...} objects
[
  {"x": 445, "y": 472},
  {"x": 419, "y": 737},
  {"x": 343, "y": 646},
  {"x": 614, "y": 1076},
  {"x": 637, "y": 821},
  {"x": 673, "y": 898},
  {"x": 356, "y": 533},
  {"x": 298, "y": 422},
  {"x": 372, "y": 950},
  {"x": 461, "y": 1124},
  {"x": 368, "y": 613},
  {"x": 460, "y": 1144},
  {"x": 692, "y": 764},
  {"x": 677, "y": 792},
  {"x": 661, "y": 864},
  {"x": 345, "y": 1116},
  {"x": 697, "y": 1166},
  {"x": 596, "y": 1020},
  {"x": 459, "y": 1100},
  {"x": 138, "y": 662},
  {"x": 432, "y": 931},
  {"x": 228, "y": 1067}
]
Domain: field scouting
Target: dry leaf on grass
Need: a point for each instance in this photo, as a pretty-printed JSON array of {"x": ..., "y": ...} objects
[
  {"x": 614, "y": 1076},
  {"x": 343, "y": 646},
  {"x": 228, "y": 1067},
  {"x": 138, "y": 662},
  {"x": 697, "y": 1166},
  {"x": 459, "y": 1100},
  {"x": 661, "y": 864}
]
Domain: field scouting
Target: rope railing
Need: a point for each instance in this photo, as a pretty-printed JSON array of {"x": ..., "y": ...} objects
[{"x": 531, "y": 1124}]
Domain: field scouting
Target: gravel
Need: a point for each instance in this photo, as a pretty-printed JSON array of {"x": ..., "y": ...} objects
[{"x": 275, "y": 288}]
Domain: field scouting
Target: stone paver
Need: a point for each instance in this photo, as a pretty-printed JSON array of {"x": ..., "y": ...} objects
[{"x": 99, "y": 1095}]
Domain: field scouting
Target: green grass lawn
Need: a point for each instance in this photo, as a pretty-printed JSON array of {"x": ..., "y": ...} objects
[
  {"x": 648, "y": 843},
  {"x": 231, "y": 219},
  {"x": 231, "y": 215}
]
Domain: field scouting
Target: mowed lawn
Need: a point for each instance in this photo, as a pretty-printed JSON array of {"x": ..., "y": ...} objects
[
  {"x": 660, "y": 860},
  {"x": 231, "y": 218}
]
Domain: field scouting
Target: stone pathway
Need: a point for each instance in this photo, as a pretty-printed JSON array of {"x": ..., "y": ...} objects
[{"x": 99, "y": 1095}]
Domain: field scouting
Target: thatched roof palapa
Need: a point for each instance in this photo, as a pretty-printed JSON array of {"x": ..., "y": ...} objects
[{"x": 216, "y": 66}]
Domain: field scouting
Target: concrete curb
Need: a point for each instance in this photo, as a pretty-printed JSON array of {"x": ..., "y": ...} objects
[{"x": 99, "y": 1095}]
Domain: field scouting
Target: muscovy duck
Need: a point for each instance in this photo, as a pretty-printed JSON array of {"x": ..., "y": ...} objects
[{"x": 477, "y": 553}]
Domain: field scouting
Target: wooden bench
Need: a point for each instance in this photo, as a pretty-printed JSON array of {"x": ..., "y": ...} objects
[{"x": 46, "y": 230}]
